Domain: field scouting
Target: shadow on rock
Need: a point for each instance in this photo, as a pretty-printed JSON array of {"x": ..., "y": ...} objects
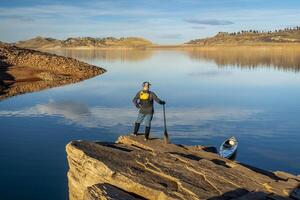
[{"x": 6, "y": 79}]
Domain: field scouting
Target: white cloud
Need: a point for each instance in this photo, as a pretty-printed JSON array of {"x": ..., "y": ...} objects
[
  {"x": 212, "y": 22},
  {"x": 107, "y": 18},
  {"x": 49, "y": 11}
]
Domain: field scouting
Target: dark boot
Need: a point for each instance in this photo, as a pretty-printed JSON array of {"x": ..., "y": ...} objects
[
  {"x": 136, "y": 129},
  {"x": 147, "y": 132}
]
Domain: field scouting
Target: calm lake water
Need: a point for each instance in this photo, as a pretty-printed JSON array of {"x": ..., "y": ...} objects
[{"x": 211, "y": 95}]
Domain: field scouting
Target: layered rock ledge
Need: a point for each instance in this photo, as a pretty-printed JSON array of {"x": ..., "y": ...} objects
[
  {"x": 24, "y": 70},
  {"x": 133, "y": 168}
]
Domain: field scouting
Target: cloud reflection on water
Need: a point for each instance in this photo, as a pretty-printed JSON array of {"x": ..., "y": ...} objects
[
  {"x": 180, "y": 120},
  {"x": 211, "y": 73}
]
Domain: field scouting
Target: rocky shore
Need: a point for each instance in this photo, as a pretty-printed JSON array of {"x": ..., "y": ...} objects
[
  {"x": 133, "y": 169},
  {"x": 23, "y": 70}
]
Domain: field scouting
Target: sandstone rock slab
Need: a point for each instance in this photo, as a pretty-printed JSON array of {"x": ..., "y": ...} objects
[{"x": 155, "y": 170}]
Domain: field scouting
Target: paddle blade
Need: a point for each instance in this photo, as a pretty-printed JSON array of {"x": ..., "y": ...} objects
[{"x": 166, "y": 137}]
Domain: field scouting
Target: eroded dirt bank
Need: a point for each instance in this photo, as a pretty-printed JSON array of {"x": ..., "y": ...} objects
[{"x": 24, "y": 70}]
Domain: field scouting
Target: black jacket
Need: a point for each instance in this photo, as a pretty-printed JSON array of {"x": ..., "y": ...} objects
[{"x": 146, "y": 105}]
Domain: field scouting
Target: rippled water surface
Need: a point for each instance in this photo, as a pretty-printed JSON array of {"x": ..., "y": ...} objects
[{"x": 252, "y": 94}]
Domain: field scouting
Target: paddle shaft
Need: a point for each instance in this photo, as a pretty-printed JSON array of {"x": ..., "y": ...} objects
[{"x": 165, "y": 126}]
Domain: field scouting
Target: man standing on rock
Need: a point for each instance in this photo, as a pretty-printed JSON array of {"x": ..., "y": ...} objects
[{"x": 143, "y": 100}]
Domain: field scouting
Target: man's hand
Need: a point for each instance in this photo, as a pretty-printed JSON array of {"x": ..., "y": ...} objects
[{"x": 163, "y": 103}]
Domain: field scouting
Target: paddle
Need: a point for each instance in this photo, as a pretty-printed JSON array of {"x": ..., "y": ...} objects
[{"x": 166, "y": 137}]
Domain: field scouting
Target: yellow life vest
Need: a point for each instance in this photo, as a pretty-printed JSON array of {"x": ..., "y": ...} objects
[{"x": 144, "y": 95}]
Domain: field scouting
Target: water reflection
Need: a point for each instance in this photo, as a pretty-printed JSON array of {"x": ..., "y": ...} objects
[
  {"x": 205, "y": 105},
  {"x": 211, "y": 73},
  {"x": 97, "y": 116},
  {"x": 280, "y": 58},
  {"x": 107, "y": 55}
]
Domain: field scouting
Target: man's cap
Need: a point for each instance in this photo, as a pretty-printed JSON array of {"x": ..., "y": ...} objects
[{"x": 146, "y": 82}]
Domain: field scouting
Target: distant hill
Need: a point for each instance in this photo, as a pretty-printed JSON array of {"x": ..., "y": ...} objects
[
  {"x": 84, "y": 42},
  {"x": 288, "y": 35}
]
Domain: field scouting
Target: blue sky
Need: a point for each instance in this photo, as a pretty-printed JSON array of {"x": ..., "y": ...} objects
[{"x": 162, "y": 21}]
